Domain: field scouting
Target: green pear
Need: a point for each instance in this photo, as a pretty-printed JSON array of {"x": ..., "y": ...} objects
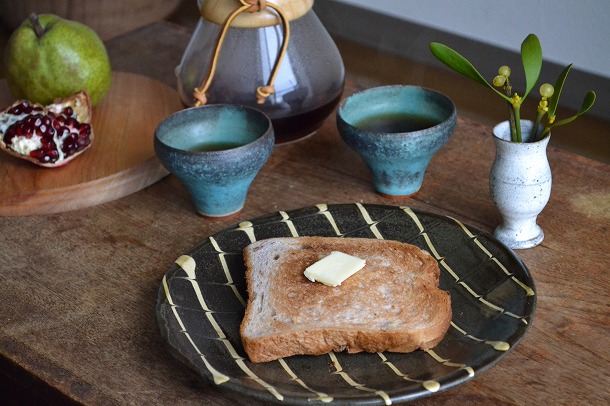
[{"x": 49, "y": 57}]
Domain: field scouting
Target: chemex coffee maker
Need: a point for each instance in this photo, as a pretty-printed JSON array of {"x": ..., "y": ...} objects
[{"x": 274, "y": 55}]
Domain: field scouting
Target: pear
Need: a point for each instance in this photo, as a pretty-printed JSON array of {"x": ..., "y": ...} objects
[{"x": 49, "y": 57}]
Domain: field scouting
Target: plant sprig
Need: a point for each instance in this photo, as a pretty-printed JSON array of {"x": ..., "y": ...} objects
[{"x": 531, "y": 58}]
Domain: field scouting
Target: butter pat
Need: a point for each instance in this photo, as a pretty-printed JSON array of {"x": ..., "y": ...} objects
[{"x": 334, "y": 268}]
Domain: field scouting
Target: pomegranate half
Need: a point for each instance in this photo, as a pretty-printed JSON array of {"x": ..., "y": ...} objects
[{"x": 48, "y": 136}]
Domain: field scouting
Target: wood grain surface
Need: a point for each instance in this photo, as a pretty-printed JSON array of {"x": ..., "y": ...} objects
[
  {"x": 78, "y": 289},
  {"x": 121, "y": 160}
]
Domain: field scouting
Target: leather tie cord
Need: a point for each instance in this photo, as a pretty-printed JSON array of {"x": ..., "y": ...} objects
[{"x": 262, "y": 92}]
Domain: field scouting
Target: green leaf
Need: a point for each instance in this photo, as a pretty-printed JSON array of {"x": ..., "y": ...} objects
[
  {"x": 554, "y": 102},
  {"x": 461, "y": 65},
  {"x": 531, "y": 57},
  {"x": 587, "y": 103}
]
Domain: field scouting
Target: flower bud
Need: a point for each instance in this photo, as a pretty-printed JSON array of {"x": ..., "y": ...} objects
[
  {"x": 504, "y": 71},
  {"x": 499, "y": 80},
  {"x": 547, "y": 90}
]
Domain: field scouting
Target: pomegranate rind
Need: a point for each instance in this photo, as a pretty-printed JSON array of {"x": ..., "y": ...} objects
[
  {"x": 80, "y": 103},
  {"x": 81, "y": 111}
]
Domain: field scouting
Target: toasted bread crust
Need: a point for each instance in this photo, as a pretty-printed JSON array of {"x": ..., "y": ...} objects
[{"x": 392, "y": 304}]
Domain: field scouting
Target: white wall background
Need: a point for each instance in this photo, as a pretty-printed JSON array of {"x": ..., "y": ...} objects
[{"x": 570, "y": 31}]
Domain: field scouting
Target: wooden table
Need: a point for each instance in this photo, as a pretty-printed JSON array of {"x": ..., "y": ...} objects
[{"x": 78, "y": 289}]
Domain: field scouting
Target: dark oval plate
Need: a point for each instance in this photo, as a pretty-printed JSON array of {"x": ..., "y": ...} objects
[{"x": 202, "y": 301}]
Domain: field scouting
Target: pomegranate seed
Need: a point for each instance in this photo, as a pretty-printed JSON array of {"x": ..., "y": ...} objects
[
  {"x": 18, "y": 109},
  {"x": 49, "y": 146}
]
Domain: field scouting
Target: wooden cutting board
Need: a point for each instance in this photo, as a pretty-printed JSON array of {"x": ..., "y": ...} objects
[{"x": 121, "y": 160}]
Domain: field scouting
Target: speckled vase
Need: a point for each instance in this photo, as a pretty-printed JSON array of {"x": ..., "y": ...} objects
[{"x": 520, "y": 184}]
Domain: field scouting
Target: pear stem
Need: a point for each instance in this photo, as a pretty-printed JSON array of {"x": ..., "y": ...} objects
[{"x": 36, "y": 24}]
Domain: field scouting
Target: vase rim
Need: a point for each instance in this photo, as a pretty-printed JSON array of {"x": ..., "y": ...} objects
[{"x": 505, "y": 123}]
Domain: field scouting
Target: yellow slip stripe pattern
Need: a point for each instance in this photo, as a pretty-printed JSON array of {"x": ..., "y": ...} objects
[
  {"x": 372, "y": 224},
  {"x": 286, "y": 219},
  {"x": 498, "y": 345},
  {"x": 248, "y": 228},
  {"x": 446, "y": 266},
  {"x": 218, "y": 377},
  {"x": 323, "y": 397},
  {"x": 188, "y": 265},
  {"x": 324, "y": 211},
  {"x": 339, "y": 371},
  {"x": 448, "y": 363},
  {"x": 529, "y": 291},
  {"x": 430, "y": 385},
  {"x": 225, "y": 269}
]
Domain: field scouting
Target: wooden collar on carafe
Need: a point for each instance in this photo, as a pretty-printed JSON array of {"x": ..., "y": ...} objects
[{"x": 217, "y": 12}]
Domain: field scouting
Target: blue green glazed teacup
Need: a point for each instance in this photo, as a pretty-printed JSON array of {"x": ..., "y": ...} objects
[
  {"x": 216, "y": 151},
  {"x": 396, "y": 130}
]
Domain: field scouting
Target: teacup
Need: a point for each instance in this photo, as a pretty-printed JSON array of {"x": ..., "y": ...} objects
[
  {"x": 216, "y": 151},
  {"x": 396, "y": 130}
]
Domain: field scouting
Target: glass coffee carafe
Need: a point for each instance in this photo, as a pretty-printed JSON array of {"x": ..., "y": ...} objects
[{"x": 275, "y": 56}]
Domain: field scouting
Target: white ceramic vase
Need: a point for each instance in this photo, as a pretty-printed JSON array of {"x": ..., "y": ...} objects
[{"x": 520, "y": 185}]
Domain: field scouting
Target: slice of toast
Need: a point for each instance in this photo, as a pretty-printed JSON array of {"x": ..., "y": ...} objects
[{"x": 392, "y": 304}]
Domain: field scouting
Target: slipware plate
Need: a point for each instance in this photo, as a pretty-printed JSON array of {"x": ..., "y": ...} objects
[{"x": 202, "y": 299}]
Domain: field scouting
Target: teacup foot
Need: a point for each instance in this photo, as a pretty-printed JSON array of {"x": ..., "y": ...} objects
[
  {"x": 221, "y": 217},
  {"x": 397, "y": 197}
]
